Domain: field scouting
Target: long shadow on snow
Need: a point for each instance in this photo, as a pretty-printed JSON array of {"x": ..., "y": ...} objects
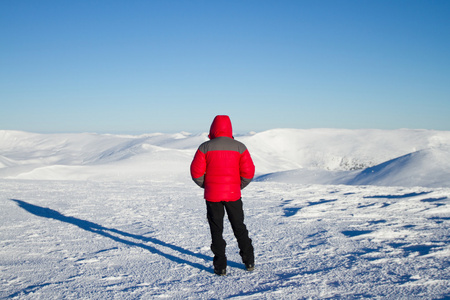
[{"x": 96, "y": 228}]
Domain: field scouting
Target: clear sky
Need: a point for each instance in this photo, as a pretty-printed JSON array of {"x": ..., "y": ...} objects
[{"x": 167, "y": 66}]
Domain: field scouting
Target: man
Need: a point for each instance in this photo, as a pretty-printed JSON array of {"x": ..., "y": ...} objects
[{"x": 223, "y": 166}]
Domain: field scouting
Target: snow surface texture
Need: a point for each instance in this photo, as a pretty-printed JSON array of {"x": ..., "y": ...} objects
[{"x": 333, "y": 214}]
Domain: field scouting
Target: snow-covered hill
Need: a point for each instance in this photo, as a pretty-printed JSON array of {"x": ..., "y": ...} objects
[{"x": 325, "y": 156}]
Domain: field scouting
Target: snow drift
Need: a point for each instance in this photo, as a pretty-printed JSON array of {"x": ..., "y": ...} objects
[
  {"x": 429, "y": 167},
  {"x": 315, "y": 156}
]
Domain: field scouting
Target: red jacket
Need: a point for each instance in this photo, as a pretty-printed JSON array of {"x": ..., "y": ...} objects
[{"x": 222, "y": 165}]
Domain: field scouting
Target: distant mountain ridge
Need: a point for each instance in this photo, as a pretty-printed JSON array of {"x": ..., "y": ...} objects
[{"x": 403, "y": 157}]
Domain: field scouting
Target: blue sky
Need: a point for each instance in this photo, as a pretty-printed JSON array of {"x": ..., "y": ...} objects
[{"x": 169, "y": 66}]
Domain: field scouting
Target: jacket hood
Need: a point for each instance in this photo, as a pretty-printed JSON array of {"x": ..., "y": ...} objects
[{"x": 221, "y": 126}]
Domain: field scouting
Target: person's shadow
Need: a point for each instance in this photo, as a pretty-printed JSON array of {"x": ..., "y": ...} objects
[{"x": 106, "y": 232}]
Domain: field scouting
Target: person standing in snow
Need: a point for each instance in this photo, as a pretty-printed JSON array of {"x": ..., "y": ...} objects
[{"x": 223, "y": 166}]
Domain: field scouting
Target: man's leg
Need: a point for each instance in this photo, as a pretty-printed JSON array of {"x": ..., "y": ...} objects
[
  {"x": 215, "y": 214},
  {"x": 235, "y": 214}
]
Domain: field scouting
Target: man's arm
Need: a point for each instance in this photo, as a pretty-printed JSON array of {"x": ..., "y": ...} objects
[
  {"x": 198, "y": 168},
  {"x": 247, "y": 169}
]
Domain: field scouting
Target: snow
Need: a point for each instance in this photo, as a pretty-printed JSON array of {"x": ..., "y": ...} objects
[{"x": 333, "y": 214}]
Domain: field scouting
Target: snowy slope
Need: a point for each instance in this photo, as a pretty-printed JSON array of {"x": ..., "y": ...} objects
[
  {"x": 429, "y": 167},
  {"x": 337, "y": 149},
  {"x": 323, "y": 156},
  {"x": 93, "y": 156}
]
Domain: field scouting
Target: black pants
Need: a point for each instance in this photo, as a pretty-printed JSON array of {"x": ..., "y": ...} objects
[{"x": 215, "y": 214}]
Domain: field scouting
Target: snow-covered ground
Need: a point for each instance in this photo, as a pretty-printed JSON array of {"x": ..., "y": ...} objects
[{"x": 334, "y": 214}]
